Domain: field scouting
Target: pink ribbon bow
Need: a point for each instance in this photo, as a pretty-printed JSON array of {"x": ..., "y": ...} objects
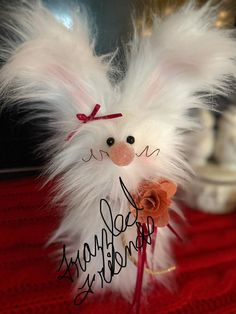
[{"x": 82, "y": 117}]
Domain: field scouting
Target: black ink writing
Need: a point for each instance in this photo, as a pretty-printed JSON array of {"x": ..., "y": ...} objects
[{"x": 112, "y": 260}]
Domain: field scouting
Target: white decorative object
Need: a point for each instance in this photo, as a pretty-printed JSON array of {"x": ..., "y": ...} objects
[
  {"x": 213, "y": 190},
  {"x": 201, "y": 142},
  {"x": 225, "y": 147}
]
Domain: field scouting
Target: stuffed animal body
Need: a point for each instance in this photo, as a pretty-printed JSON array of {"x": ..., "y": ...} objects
[{"x": 112, "y": 137}]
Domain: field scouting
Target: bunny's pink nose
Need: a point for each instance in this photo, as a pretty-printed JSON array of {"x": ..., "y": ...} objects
[{"x": 121, "y": 154}]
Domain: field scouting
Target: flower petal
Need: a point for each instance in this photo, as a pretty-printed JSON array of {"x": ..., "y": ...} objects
[
  {"x": 168, "y": 186},
  {"x": 163, "y": 219},
  {"x": 148, "y": 203}
]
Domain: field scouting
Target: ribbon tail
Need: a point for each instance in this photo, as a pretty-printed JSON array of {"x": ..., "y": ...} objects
[
  {"x": 142, "y": 244},
  {"x": 70, "y": 136},
  {"x": 95, "y": 111},
  {"x": 175, "y": 233}
]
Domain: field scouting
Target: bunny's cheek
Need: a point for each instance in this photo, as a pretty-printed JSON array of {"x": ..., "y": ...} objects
[{"x": 121, "y": 154}]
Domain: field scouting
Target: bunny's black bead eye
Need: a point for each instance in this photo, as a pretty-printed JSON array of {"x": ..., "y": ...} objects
[
  {"x": 110, "y": 141},
  {"x": 130, "y": 139}
]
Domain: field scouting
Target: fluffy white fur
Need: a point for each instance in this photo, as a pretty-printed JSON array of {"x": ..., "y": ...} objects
[{"x": 58, "y": 68}]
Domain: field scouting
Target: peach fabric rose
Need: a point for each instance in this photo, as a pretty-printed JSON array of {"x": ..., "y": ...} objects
[{"x": 154, "y": 198}]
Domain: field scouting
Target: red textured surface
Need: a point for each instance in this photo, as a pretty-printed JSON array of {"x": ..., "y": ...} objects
[{"x": 206, "y": 275}]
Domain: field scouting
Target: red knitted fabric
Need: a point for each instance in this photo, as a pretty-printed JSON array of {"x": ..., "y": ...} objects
[{"x": 205, "y": 278}]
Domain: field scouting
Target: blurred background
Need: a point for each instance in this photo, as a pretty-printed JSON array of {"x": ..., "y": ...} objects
[{"x": 213, "y": 155}]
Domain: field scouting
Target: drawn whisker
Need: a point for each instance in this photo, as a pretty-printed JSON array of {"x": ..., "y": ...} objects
[
  {"x": 90, "y": 157},
  {"x": 146, "y": 151},
  {"x": 101, "y": 156},
  {"x": 103, "y": 152},
  {"x": 96, "y": 158},
  {"x": 157, "y": 151}
]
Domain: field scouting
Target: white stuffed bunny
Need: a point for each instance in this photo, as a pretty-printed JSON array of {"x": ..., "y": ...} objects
[{"x": 118, "y": 148}]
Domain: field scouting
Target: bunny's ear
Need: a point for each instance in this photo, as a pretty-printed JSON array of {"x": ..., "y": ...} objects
[
  {"x": 183, "y": 55},
  {"x": 47, "y": 63}
]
